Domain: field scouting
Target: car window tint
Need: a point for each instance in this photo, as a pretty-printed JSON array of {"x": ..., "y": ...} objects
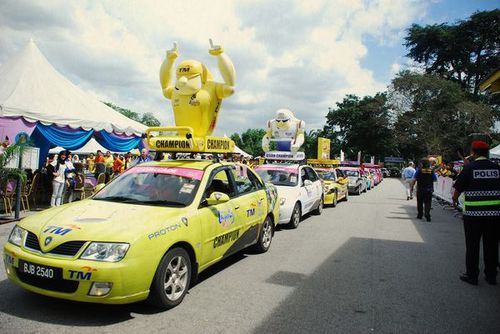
[
  {"x": 220, "y": 183},
  {"x": 327, "y": 175},
  {"x": 278, "y": 177},
  {"x": 151, "y": 188},
  {"x": 311, "y": 174},
  {"x": 255, "y": 180},
  {"x": 351, "y": 173},
  {"x": 243, "y": 182},
  {"x": 303, "y": 175}
]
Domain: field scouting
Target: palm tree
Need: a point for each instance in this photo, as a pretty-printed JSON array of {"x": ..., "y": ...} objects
[{"x": 7, "y": 173}]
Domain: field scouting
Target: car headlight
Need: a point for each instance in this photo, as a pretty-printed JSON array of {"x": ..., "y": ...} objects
[
  {"x": 282, "y": 201},
  {"x": 16, "y": 236},
  {"x": 105, "y": 251}
]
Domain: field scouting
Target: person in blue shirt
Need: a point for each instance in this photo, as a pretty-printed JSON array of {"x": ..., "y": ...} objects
[
  {"x": 144, "y": 157},
  {"x": 424, "y": 177},
  {"x": 407, "y": 176}
]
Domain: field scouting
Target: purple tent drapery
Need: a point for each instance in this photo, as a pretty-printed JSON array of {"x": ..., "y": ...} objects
[
  {"x": 45, "y": 137},
  {"x": 10, "y": 127}
]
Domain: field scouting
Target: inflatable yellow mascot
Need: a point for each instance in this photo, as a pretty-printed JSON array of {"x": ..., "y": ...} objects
[
  {"x": 286, "y": 130},
  {"x": 196, "y": 98}
]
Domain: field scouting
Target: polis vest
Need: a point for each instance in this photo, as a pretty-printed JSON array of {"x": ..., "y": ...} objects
[
  {"x": 482, "y": 195},
  {"x": 425, "y": 182}
]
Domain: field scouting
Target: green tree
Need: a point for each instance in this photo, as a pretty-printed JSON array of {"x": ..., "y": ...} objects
[
  {"x": 147, "y": 119},
  {"x": 466, "y": 51},
  {"x": 237, "y": 139},
  {"x": 250, "y": 141},
  {"x": 361, "y": 124},
  {"x": 434, "y": 115},
  {"x": 311, "y": 143}
]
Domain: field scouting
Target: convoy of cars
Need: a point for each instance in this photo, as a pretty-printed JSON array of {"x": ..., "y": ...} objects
[{"x": 162, "y": 223}]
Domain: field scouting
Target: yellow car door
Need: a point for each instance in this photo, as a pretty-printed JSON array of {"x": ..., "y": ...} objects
[
  {"x": 221, "y": 227},
  {"x": 251, "y": 204}
]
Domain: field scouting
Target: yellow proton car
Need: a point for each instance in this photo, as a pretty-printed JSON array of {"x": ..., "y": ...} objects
[
  {"x": 335, "y": 184},
  {"x": 146, "y": 235}
]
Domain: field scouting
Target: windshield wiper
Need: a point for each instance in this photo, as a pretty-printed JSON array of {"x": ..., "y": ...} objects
[
  {"x": 164, "y": 202},
  {"x": 120, "y": 199}
]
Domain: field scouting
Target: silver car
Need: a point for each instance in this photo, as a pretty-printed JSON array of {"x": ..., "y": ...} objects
[{"x": 357, "y": 183}]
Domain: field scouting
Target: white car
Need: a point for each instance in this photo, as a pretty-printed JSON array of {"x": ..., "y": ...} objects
[{"x": 299, "y": 189}]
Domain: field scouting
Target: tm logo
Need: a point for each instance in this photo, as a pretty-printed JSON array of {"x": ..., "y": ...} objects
[
  {"x": 82, "y": 275},
  {"x": 60, "y": 230},
  {"x": 250, "y": 212}
]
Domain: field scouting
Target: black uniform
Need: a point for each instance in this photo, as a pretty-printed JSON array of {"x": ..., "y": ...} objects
[
  {"x": 480, "y": 183},
  {"x": 425, "y": 178}
]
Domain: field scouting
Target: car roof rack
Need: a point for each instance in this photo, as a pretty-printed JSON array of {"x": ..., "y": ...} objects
[
  {"x": 323, "y": 163},
  {"x": 180, "y": 140},
  {"x": 285, "y": 157}
]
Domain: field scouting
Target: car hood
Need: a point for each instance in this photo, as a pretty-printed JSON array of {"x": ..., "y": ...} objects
[
  {"x": 92, "y": 220},
  {"x": 329, "y": 184}
]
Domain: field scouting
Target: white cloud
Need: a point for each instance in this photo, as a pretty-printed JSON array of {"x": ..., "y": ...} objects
[
  {"x": 304, "y": 55},
  {"x": 395, "y": 68}
]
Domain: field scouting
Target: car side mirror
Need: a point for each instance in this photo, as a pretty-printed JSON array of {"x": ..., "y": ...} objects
[
  {"x": 307, "y": 183},
  {"x": 217, "y": 198}
]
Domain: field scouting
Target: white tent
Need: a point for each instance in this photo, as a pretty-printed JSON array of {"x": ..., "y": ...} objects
[
  {"x": 495, "y": 152},
  {"x": 31, "y": 88},
  {"x": 238, "y": 150}
]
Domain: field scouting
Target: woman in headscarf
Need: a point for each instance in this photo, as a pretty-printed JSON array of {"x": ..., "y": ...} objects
[{"x": 58, "y": 168}]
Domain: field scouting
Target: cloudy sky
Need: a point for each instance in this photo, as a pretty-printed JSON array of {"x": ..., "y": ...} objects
[{"x": 304, "y": 55}]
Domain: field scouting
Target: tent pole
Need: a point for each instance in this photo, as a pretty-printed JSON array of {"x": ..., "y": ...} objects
[{"x": 18, "y": 187}]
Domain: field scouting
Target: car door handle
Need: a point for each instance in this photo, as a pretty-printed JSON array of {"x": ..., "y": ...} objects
[{"x": 236, "y": 207}]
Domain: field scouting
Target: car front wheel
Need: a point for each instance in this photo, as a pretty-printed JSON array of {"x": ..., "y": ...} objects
[
  {"x": 171, "y": 281},
  {"x": 265, "y": 237},
  {"x": 296, "y": 214},
  {"x": 319, "y": 209}
]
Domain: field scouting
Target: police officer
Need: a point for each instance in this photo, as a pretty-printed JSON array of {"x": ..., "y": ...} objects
[
  {"x": 424, "y": 177},
  {"x": 480, "y": 183}
]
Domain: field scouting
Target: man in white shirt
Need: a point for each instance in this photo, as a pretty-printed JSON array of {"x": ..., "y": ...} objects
[{"x": 407, "y": 175}]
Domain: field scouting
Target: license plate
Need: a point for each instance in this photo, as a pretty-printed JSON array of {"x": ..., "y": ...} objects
[{"x": 40, "y": 270}]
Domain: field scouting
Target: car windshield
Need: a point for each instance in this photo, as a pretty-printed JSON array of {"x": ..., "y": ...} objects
[
  {"x": 327, "y": 176},
  {"x": 351, "y": 173},
  {"x": 162, "y": 186},
  {"x": 279, "y": 176}
]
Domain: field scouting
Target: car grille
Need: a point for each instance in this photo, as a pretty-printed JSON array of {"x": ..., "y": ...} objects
[
  {"x": 63, "y": 285},
  {"x": 32, "y": 242},
  {"x": 70, "y": 248}
]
